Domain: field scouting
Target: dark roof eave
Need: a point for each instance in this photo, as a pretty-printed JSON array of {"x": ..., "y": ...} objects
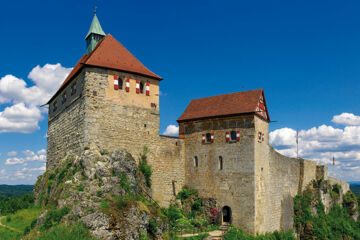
[
  {"x": 66, "y": 84},
  {"x": 126, "y": 71},
  {"x": 217, "y": 116},
  {"x": 77, "y": 73}
]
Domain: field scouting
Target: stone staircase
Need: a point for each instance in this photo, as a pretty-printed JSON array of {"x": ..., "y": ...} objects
[
  {"x": 225, "y": 227},
  {"x": 218, "y": 235}
]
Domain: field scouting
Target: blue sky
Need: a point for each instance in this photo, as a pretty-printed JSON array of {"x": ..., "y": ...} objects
[{"x": 304, "y": 54}]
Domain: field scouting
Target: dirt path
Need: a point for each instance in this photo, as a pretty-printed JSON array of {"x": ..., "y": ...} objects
[
  {"x": 12, "y": 229},
  {"x": 216, "y": 233}
]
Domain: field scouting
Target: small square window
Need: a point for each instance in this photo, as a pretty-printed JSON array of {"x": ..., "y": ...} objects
[
  {"x": 73, "y": 89},
  {"x": 196, "y": 161}
]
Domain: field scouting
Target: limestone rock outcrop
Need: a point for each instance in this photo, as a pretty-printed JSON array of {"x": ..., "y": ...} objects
[{"x": 106, "y": 192}]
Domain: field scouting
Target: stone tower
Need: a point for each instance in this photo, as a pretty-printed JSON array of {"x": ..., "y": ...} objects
[{"x": 110, "y": 101}]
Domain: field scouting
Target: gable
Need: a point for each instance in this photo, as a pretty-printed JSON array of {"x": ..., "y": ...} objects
[
  {"x": 226, "y": 105},
  {"x": 110, "y": 54}
]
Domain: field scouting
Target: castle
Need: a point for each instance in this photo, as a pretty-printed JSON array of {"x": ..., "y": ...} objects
[{"x": 110, "y": 100}]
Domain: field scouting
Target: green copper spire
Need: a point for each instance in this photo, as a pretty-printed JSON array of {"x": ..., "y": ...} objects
[{"x": 94, "y": 35}]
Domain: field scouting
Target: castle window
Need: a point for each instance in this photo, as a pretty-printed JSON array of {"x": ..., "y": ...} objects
[
  {"x": 73, "y": 89},
  {"x": 141, "y": 87},
  {"x": 233, "y": 135},
  {"x": 221, "y": 163},
  {"x": 63, "y": 98},
  {"x": 196, "y": 161},
  {"x": 55, "y": 105},
  {"x": 120, "y": 84},
  {"x": 208, "y": 137}
]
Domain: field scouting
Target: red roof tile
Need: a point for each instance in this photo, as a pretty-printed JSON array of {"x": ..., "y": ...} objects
[
  {"x": 109, "y": 53},
  {"x": 223, "y": 105}
]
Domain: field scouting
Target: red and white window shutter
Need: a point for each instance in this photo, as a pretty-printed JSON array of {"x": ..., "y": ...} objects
[
  {"x": 116, "y": 82},
  {"x": 203, "y": 138},
  {"x": 237, "y": 135},
  {"x": 259, "y": 135},
  {"x": 212, "y": 137},
  {"x": 262, "y": 137},
  {"x": 227, "y": 136},
  {"x": 137, "y": 86},
  {"x": 147, "y": 89},
  {"x": 127, "y": 85}
]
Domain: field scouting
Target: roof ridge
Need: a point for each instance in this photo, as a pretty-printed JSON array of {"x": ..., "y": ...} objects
[{"x": 253, "y": 90}]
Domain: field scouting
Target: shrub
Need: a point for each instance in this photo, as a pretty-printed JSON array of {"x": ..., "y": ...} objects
[
  {"x": 104, "y": 204},
  {"x": 54, "y": 217},
  {"x": 80, "y": 188},
  {"x": 124, "y": 182},
  {"x": 33, "y": 223},
  {"x": 152, "y": 227},
  {"x": 144, "y": 167},
  {"x": 173, "y": 213},
  {"x": 121, "y": 203},
  {"x": 185, "y": 193},
  {"x": 196, "y": 206},
  {"x": 99, "y": 193}
]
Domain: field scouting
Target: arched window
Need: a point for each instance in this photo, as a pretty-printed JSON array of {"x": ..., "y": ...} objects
[
  {"x": 120, "y": 83},
  {"x": 233, "y": 135},
  {"x": 221, "y": 163},
  {"x": 208, "y": 137},
  {"x": 196, "y": 161},
  {"x": 141, "y": 87}
]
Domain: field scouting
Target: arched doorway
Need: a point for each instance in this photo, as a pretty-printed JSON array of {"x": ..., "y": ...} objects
[{"x": 226, "y": 213}]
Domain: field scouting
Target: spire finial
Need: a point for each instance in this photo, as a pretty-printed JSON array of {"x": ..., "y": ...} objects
[{"x": 95, "y": 10}]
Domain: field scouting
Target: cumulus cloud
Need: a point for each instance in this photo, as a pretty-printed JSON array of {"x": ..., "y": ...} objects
[
  {"x": 28, "y": 156},
  {"x": 172, "y": 130},
  {"x": 348, "y": 119},
  {"x": 24, "y": 113},
  {"x": 322, "y": 144},
  {"x": 19, "y": 118}
]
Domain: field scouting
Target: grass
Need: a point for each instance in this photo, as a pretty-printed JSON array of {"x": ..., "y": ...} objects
[
  {"x": 22, "y": 218},
  {"x": 62, "y": 231},
  {"x": 7, "y": 234}
]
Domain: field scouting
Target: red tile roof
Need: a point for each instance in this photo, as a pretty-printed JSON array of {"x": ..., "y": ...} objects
[
  {"x": 223, "y": 105},
  {"x": 109, "y": 53}
]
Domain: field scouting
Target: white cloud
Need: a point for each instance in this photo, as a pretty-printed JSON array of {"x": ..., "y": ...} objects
[
  {"x": 322, "y": 144},
  {"x": 28, "y": 156},
  {"x": 49, "y": 77},
  {"x": 14, "y": 161},
  {"x": 19, "y": 118},
  {"x": 24, "y": 113},
  {"x": 12, "y": 154},
  {"x": 347, "y": 119},
  {"x": 172, "y": 130}
]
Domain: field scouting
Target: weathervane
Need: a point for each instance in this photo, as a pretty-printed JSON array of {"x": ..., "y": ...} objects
[{"x": 95, "y": 9}]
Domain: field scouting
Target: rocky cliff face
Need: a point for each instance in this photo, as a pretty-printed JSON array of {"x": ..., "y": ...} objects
[
  {"x": 322, "y": 208},
  {"x": 106, "y": 192}
]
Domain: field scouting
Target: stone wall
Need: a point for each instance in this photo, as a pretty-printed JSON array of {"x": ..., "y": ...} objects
[
  {"x": 116, "y": 119},
  {"x": 168, "y": 170},
  {"x": 66, "y": 124},
  {"x": 232, "y": 186},
  {"x": 281, "y": 179}
]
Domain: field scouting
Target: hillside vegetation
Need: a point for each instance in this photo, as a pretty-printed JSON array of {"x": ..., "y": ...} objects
[{"x": 15, "y": 190}]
